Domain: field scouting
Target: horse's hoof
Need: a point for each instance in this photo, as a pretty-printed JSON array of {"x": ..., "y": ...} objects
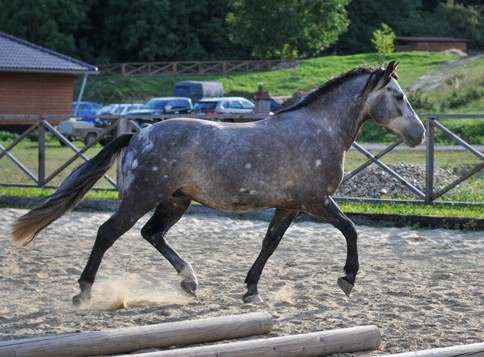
[
  {"x": 345, "y": 285},
  {"x": 77, "y": 300},
  {"x": 190, "y": 287},
  {"x": 248, "y": 299}
]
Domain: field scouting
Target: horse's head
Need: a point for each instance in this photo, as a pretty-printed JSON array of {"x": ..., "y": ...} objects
[{"x": 389, "y": 107}]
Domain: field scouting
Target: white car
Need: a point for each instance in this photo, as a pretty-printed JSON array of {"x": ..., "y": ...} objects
[
  {"x": 223, "y": 105},
  {"x": 119, "y": 109}
]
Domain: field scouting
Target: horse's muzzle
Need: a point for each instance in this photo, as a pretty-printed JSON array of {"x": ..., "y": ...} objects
[{"x": 415, "y": 137}]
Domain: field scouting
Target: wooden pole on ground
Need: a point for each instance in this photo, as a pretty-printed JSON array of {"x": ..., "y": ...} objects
[
  {"x": 306, "y": 345},
  {"x": 130, "y": 339},
  {"x": 474, "y": 350}
]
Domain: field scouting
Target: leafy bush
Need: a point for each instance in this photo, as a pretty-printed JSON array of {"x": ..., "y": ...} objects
[
  {"x": 383, "y": 41},
  {"x": 464, "y": 97},
  {"x": 6, "y": 136}
]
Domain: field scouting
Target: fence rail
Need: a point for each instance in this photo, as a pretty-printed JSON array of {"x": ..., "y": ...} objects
[
  {"x": 185, "y": 67},
  {"x": 429, "y": 195}
]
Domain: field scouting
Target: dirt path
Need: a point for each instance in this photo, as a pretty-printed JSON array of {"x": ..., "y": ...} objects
[{"x": 422, "y": 288}]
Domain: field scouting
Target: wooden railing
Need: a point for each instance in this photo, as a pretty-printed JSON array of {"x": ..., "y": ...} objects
[
  {"x": 185, "y": 67},
  {"x": 428, "y": 195}
]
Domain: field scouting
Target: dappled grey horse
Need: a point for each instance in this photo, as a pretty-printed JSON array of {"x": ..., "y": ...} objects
[{"x": 292, "y": 161}]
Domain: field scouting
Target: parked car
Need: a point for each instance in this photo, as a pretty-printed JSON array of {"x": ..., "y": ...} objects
[
  {"x": 119, "y": 108},
  {"x": 116, "y": 110},
  {"x": 223, "y": 105},
  {"x": 74, "y": 129},
  {"x": 196, "y": 90},
  {"x": 157, "y": 106},
  {"x": 107, "y": 109},
  {"x": 81, "y": 109}
]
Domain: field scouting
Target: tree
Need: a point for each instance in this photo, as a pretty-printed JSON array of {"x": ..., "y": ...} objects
[
  {"x": 201, "y": 30},
  {"x": 48, "y": 23},
  {"x": 383, "y": 41},
  {"x": 138, "y": 30},
  {"x": 366, "y": 16},
  {"x": 286, "y": 28},
  {"x": 164, "y": 30},
  {"x": 459, "y": 18}
]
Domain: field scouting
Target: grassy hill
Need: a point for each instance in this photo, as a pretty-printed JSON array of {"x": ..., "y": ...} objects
[
  {"x": 434, "y": 82},
  {"x": 307, "y": 75}
]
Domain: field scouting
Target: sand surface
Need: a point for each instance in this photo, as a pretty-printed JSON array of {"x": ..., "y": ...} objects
[{"x": 422, "y": 288}]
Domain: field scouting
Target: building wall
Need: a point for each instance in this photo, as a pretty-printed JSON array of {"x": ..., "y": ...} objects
[
  {"x": 431, "y": 46},
  {"x": 34, "y": 93}
]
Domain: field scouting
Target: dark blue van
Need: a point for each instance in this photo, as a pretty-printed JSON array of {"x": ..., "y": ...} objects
[{"x": 196, "y": 90}]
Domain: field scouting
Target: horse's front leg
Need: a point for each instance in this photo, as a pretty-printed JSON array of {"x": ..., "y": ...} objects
[
  {"x": 166, "y": 215},
  {"x": 327, "y": 210},
  {"x": 278, "y": 226}
]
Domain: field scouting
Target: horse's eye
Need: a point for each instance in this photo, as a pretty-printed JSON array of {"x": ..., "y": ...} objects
[{"x": 399, "y": 96}]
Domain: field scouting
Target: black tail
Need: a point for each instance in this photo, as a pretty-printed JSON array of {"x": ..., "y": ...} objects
[{"x": 69, "y": 193}]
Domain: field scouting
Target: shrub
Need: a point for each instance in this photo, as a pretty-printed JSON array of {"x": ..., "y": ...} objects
[{"x": 383, "y": 41}]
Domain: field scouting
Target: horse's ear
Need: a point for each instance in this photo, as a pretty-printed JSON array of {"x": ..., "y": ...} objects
[{"x": 392, "y": 66}]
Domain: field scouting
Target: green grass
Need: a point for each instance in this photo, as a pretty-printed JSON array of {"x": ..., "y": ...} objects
[
  {"x": 412, "y": 209},
  {"x": 306, "y": 76},
  {"x": 27, "y": 153},
  {"x": 460, "y": 88},
  {"x": 44, "y": 192}
]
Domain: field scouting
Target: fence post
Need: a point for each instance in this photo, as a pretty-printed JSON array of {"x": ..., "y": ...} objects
[
  {"x": 429, "y": 173},
  {"x": 262, "y": 100},
  {"x": 41, "y": 149}
]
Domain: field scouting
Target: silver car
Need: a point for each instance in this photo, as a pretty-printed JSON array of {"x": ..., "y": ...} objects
[{"x": 223, "y": 105}]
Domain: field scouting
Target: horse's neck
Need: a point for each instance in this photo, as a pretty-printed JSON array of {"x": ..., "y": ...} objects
[{"x": 341, "y": 115}]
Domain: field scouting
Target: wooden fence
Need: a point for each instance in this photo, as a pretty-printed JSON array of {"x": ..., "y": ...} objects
[
  {"x": 429, "y": 195},
  {"x": 185, "y": 67}
]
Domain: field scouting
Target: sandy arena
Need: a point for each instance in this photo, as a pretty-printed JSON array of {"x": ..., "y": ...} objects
[{"x": 422, "y": 288}]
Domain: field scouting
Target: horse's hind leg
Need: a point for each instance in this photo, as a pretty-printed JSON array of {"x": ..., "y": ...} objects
[
  {"x": 119, "y": 223},
  {"x": 166, "y": 215},
  {"x": 278, "y": 226},
  {"x": 328, "y": 211}
]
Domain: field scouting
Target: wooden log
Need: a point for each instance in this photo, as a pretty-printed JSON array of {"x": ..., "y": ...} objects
[
  {"x": 130, "y": 339},
  {"x": 305, "y": 345},
  {"x": 474, "y": 350}
]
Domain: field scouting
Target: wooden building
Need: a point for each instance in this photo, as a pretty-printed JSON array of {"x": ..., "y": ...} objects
[
  {"x": 35, "y": 80},
  {"x": 432, "y": 44}
]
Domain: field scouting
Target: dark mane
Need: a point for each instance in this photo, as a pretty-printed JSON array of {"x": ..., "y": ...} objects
[{"x": 375, "y": 76}]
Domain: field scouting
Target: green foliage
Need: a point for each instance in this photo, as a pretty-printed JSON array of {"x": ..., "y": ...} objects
[
  {"x": 49, "y": 23},
  {"x": 108, "y": 31},
  {"x": 462, "y": 19},
  {"x": 154, "y": 30},
  {"x": 6, "y": 136},
  {"x": 463, "y": 97},
  {"x": 286, "y": 28},
  {"x": 457, "y": 88},
  {"x": 383, "y": 41}
]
